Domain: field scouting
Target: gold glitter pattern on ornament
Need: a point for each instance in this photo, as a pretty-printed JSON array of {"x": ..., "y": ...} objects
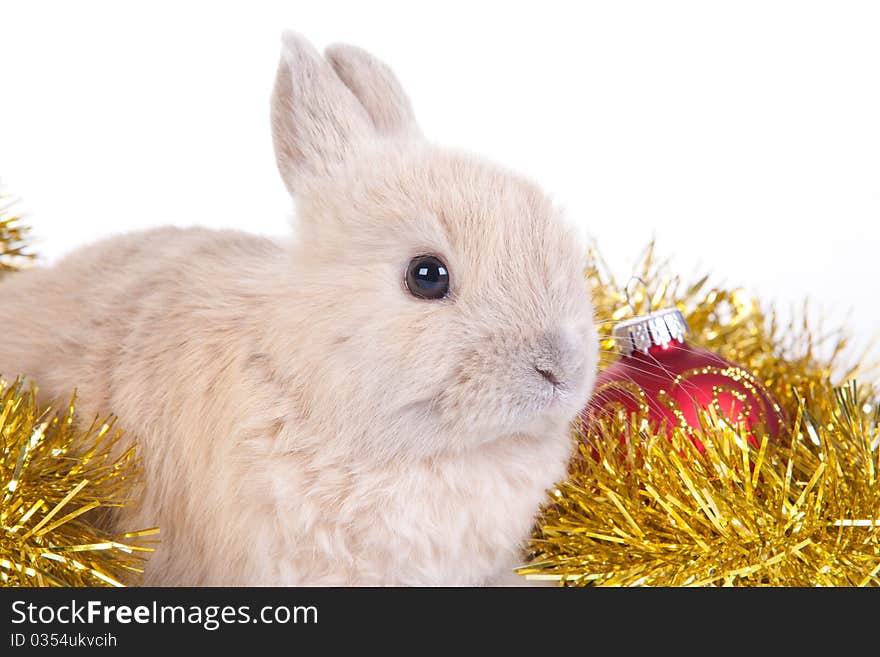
[
  {"x": 744, "y": 414},
  {"x": 672, "y": 405},
  {"x": 739, "y": 377}
]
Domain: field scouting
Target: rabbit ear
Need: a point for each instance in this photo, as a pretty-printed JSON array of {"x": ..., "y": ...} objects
[
  {"x": 316, "y": 120},
  {"x": 376, "y": 87}
]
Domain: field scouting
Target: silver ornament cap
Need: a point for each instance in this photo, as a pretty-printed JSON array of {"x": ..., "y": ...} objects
[{"x": 658, "y": 328}]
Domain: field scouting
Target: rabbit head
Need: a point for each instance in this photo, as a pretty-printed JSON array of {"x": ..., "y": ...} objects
[{"x": 446, "y": 297}]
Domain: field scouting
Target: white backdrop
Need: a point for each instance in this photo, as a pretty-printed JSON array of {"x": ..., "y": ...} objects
[{"x": 744, "y": 136}]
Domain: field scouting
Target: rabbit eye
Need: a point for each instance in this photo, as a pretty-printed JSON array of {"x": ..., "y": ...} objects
[{"x": 427, "y": 277}]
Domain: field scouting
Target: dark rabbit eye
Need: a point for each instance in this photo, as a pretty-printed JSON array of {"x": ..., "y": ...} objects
[{"x": 427, "y": 277}]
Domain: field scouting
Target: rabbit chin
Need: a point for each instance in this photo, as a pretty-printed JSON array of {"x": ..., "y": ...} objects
[
  {"x": 542, "y": 415},
  {"x": 465, "y": 419}
]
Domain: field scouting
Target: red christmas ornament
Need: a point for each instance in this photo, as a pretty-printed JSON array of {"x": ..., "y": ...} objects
[{"x": 670, "y": 382}]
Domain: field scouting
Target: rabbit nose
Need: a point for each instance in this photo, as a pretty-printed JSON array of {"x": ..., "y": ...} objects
[
  {"x": 555, "y": 358},
  {"x": 548, "y": 375}
]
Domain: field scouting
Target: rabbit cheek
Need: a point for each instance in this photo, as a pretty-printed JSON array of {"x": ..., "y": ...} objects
[{"x": 538, "y": 379}]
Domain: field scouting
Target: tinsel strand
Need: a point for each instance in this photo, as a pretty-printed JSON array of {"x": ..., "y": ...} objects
[
  {"x": 13, "y": 251},
  {"x": 56, "y": 481},
  {"x": 640, "y": 508}
]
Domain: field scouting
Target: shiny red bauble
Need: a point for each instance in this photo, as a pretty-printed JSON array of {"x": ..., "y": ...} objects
[{"x": 672, "y": 383}]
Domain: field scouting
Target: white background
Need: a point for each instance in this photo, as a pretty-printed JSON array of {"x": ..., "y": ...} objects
[{"x": 744, "y": 136}]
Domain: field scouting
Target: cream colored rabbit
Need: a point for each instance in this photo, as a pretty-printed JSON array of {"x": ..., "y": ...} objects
[{"x": 385, "y": 401}]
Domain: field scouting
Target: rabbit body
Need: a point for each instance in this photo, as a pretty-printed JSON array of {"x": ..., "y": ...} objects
[{"x": 302, "y": 418}]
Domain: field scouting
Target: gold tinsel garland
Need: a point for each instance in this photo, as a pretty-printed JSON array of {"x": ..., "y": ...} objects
[
  {"x": 646, "y": 510},
  {"x": 56, "y": 481},
  {"x": 13, "y": 253}
]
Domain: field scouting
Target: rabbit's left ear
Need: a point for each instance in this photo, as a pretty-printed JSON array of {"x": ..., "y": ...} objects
[
  {"x": 376, "y": 87},
  {"x": 316, "y": 121}
]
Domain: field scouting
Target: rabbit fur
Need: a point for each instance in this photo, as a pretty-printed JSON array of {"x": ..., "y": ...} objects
[{"x": 301, "y": 418}]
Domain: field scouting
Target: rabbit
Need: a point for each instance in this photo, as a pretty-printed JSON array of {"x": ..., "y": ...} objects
[{"x": 383, "y": 398}]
